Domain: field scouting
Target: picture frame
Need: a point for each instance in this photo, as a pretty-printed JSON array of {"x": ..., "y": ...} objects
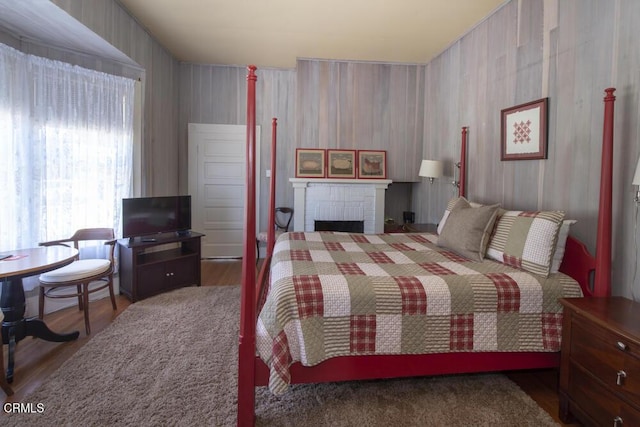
[
  {"x": 310, "y": 163},
  {"x": 372, "y": 164},
  {"x": 524, "y": 131},
  {"x": 341, "y": 163}
]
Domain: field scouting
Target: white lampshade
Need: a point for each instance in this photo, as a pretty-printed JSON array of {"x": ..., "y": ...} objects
[
  {"x": 431, "y": 169},
  {"x": 636, "y": 176}
]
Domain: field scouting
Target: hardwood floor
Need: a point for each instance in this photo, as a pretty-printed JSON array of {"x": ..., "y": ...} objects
[{"x": 37, "y": 359}]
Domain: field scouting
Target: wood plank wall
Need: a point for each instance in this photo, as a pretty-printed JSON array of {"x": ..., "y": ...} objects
[
  {"x": 218, "y": 95},
  {"x": 568, "y": 50},
  {"x": 362, "y": 106}
]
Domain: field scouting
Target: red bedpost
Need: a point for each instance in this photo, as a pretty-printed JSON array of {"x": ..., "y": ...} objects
[
  {"x": 602, "y": 280},
  {"x": 272, "y": 191},
  {"x": 462, "y": 189},
  {"x": 247, "y": 338}
]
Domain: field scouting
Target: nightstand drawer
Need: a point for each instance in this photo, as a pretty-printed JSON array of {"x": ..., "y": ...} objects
[
  {"x": 608, "y": 357},
  {"x": 600, "y": 361},
  {"x": 599, "y": 404}
]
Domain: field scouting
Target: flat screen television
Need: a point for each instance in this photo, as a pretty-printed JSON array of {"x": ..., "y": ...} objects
[{"x": 145, "y": 216}]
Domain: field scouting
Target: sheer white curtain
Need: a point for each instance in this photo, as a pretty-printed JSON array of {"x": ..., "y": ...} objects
[{"x": 66, "y": 148}]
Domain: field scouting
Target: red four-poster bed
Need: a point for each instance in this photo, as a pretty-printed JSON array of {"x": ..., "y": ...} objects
[{"x": 363, "y": 364}]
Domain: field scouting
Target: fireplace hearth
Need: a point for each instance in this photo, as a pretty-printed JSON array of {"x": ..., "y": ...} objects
[
  {"x": 346, "y": 226},
  {"x": 339, "y": 200}
]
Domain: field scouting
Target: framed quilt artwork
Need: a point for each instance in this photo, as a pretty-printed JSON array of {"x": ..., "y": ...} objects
[
  {"x": 524, "y": 131},
  {"x": 341, "y": 163},
  {"x": 372, "y": 164},
  {"x": 310, "y": 163}
]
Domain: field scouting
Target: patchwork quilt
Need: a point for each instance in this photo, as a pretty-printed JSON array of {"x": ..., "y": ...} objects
[{"x": 338, "y": 294}]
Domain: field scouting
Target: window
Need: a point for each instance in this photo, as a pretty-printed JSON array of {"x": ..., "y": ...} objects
[{"x": 66, "y": 148}]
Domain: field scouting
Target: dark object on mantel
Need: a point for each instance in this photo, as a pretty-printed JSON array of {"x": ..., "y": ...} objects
[{"x": 408, "y": 217}]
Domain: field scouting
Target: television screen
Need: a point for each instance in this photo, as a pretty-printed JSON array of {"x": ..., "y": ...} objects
[{"x": 142, "y": 216}]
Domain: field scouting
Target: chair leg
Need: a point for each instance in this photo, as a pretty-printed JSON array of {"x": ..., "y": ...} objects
[
  {"x": 257, "y": 250},
  {"x": 41, "y": 303},
  {"x": 80, "y": 299},
  {"x": 85, "y": 299},
  {"x": 112, "y": 295}
]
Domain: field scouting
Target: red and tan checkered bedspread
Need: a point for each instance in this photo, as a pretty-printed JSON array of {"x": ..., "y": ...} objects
[{"x": 337, "y": 294}]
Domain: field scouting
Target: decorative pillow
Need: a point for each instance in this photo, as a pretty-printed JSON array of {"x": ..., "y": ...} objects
[
  {"x": 560, "y": 246},
  {"x": 467, "y": 229},
  {"x": 526, "y": 240},
  {"x": 447, "y": 211}
]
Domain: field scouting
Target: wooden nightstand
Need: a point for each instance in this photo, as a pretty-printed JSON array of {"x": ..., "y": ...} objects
[
  {"x": 600, "y": 363},
  {"x": 410, "y": 228},
  {"x": 420, "y": 228}
]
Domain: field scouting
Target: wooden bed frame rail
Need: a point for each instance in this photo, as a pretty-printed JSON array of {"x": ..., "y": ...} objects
[
  {"x": 252, "y": 371},
  {"x": 248, "y": 308},
  {"x": 462, "y": 184},
  {"x": 602, "y": 281}
]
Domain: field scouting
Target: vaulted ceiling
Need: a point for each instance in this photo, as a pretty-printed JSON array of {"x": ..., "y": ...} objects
[
  {"x": 274, "y": 33},
  {"x": 269, "y": 33}
]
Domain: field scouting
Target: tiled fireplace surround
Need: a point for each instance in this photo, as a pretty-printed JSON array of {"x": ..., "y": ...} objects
[{"x": 318, "y": 199}]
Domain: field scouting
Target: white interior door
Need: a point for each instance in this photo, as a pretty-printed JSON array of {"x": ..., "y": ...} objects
[{"x": 217, "y": 186}]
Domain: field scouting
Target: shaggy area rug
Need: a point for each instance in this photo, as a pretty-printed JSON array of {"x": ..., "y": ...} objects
[{"x": 172, "y": 360}]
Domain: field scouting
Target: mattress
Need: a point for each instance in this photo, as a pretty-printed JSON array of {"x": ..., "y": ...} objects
[{"x": 339, "y": 294}]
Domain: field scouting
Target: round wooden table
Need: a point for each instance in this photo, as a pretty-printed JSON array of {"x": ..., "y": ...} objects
[{"x": 25, "y": 263}]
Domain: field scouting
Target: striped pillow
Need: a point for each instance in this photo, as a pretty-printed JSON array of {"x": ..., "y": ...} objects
[{"x": 526, "y": 240}]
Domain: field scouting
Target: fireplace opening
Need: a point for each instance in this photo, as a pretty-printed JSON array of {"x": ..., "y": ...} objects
[{"x": 346, "y": 226}]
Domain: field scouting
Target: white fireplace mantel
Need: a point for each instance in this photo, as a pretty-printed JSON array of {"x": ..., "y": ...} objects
[{"x": 339, "y": 199}]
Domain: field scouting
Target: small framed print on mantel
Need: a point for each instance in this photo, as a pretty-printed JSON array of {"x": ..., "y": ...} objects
[
  {"x": 341, "y": 163},
  {"x": 372, "y": 164},
  {"x": 310, "y": 163},
  {"x": 524, "y": 131}
]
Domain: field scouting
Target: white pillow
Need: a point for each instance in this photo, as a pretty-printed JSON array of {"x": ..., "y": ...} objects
[{"x": 560, "y": 246}]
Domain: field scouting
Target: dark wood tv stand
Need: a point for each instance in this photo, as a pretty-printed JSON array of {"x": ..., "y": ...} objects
[{"x": 151, "y": 265}]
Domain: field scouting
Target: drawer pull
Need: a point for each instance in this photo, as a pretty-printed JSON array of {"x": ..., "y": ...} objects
[
  {"x": 620, "y": 376},
  {"x": 622, "y": 346},
  {"x": 617, "y": 421}
]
